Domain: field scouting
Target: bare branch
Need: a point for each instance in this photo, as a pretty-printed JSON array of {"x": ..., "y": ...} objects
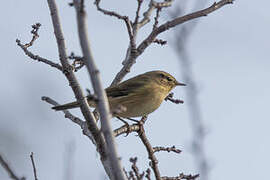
[
  {"x": 73, "y": 118},
  {"x": 147, "y": 14},
  {"x": 125, "y": 69},
  {"x": 124, "y": 18},
  {"x": 126, "y": 130},
  {"x": 78, "y": 62},
  {"x": 141, "y": 133},
  {"x": 153, "y": 5},
  {"x": 66, "y": 112},
  {"x": 182, "y": 176},
  {"x": 148, "y": 174},
  {"x": 90, "y": 120},
  {"x": 103, "y": 105},
  {"x": 35, "y": 28},
  {"x": 135, "y": 168},
  {"x": 168, "y": 149},
  {"x": 156, "y": 18},
  {"x": 149, "y": 148},
  {"x": 159, "y": 6},
  {"x": 33, "y": 164},
  {"x": 104, "y": 139},
  {"x": 131, "y": 52},
  {"x": 30, "y": 54},
  {"x": 151, "y": 156},
  {"x": 10, "y": 172},
  {"x": 177, "y": 21},
  {"x": 138, "y": 12},
  {"x": 106, "y": 12},
  {"x": 126, "y": 173},
  {"x": 160, "y": 41},
  {"x": 131, "y": 175},
  {"x": 164, "y": 4},
  {"x": 38, "y": 58}
]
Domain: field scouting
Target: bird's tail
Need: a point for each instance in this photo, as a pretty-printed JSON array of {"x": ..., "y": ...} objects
[
  {"x": 90, "y": 99},
  {"x": 66, "y": 106}
]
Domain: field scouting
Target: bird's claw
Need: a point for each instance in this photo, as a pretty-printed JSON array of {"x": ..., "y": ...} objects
[{"x": 126, "y": 124}]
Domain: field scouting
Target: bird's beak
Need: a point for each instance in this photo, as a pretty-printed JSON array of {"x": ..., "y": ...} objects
[{"x": 179, "y": 84}]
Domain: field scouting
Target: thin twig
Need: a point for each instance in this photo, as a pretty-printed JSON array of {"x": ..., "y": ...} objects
[
  {"x": 153, "y": 5},
  {"x": 106, "y": 12},
  {"x": 156, "y": 18},
  {"x": 135, "y": 168},
  {"x": 131, "y": 175},
  {"x": 138, "y": 12},
  {"x": 35, "y": 28},
  {"x": 181, "y": 176},
  {"x": 164, "y": 4},
  {"x": 38, "y": 58},
  {"x": 148, "y": 174},
  {"x": 147, "y": 14},
  {"x": 10, "y": 172},
  {"x": 168, "y": 149},
  {"x": 176, "y": 101},
  {"x": 126, "y": 130},
  {"x": 126, "y": 173},
  {"x": 160, "y": 42},
  {"x": 33, "y": 165},
  {"x": 66, "y": 112},
  {"x": 25, "y": 47},
  {"x": 78, "y": 61},
  {"x": 124, "y": 18},
  {"x": 71, "y": 117}
]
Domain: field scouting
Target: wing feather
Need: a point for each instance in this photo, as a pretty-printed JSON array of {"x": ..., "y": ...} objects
[{"x": 127, "y": 87}]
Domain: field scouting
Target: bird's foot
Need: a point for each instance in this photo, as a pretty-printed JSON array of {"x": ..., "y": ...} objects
[{"x": 126, "y": 124}]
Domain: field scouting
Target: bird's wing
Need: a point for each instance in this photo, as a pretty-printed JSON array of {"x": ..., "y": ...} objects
[{"x": 127, "y": 87}]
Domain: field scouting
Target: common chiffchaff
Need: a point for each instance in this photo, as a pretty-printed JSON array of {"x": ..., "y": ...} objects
[{"x": 140, "y": 95}]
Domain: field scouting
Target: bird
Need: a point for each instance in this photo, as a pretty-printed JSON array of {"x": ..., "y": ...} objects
[{"x": 140, "y": 95}]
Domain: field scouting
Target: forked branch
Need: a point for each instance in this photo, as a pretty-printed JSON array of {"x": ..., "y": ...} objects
[
  {"x": 159, "y": 29},
  {"x": 24, "y": 47}
]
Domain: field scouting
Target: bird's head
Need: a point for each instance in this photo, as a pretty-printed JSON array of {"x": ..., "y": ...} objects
[{"x": 164, "y": 79}]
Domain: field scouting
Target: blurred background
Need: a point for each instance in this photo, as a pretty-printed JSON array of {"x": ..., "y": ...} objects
[{"x": 223, "y": 57}]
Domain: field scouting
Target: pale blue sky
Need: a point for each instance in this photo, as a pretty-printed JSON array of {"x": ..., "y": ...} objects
[{"x": 230, "y": 54}]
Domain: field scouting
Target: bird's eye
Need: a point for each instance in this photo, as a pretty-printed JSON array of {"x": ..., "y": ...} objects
[
  {"x": 162, "y": 75},
  {"x": 169, "y": 79}
]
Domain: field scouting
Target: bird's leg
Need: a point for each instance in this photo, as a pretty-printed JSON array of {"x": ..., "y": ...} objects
[
  {"x": 141, "y": 123},
  {"x": 134, "y": 120},
  {"x": 126, "y": 124},
  {"x": 143, "y": 119}
]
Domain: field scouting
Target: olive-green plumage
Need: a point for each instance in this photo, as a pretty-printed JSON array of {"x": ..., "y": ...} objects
[{"x": 140, "y": 95}]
